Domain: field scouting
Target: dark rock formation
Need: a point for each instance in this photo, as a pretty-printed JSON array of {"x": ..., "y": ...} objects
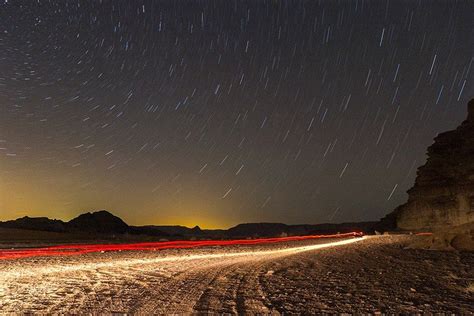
[
  {"x": 279, "y": 230},
  {"x": 196, "y": 230},
  {"x": 146, "y": 230},
  {"x": 104, "y": 223},
  {"x": 35, "y": 223},
  {"x": 443, "y": 194},
  {"x": 258, "y": 230},
  {"x": 330, "y": 228},
  {"x": 175, "y": 230},
  {"x": 98, "y": 222}
]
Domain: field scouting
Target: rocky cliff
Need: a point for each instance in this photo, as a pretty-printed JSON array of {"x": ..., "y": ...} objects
[{"x": 443, "y": 194}]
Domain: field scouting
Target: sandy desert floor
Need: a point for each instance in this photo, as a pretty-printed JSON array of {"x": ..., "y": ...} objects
[{"x": 374, "y": 274}]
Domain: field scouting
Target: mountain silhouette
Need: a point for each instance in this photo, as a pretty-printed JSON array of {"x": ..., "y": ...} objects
[
  {"x": 105, "y": 223},
  {"x": 258, "y": 230},
  {"x": 98, "y": 222},
  {"x": 36, "y": 223}
]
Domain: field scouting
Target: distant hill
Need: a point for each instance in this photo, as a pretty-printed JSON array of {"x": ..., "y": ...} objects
[
  {"x": 175, "y": 230},
  {"x": 258, "y": 230},
  {"x": 36, "y": 223},
  {"x": 98, "y": 222},
  {"x": 105, "y": 223},
  {"x": 279, "y": 229}
]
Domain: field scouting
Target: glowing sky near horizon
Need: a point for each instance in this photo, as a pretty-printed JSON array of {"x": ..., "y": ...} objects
[{"x": 213, "y": 113}]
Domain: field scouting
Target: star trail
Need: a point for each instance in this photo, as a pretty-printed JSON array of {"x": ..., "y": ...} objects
[{"x": 214, "y": 113}]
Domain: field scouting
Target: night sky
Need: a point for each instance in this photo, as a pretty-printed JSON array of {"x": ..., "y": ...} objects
[{"x": 213, "y": 113}]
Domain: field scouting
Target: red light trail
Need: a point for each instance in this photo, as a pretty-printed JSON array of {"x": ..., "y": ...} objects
[
  {"x": 424, "y": 234},
  {"x": 71, "y": 250}
]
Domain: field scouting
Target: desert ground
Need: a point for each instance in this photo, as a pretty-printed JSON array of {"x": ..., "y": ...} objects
[{"x": 371, "y": 274}]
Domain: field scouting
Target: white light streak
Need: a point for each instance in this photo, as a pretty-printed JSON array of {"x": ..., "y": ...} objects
[
  {"x": 227, "y": 193},
  {"x": 128, "y": 262}
]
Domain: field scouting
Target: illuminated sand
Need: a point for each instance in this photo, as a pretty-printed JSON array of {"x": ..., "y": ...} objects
[
  {"x": 79, "y": 249},
  {"x": 363, "y": 274}
]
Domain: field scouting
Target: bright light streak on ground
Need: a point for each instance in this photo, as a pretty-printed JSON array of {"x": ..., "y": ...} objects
[
  {"x": 168, "y": 281},
  {"x": 293, "y": 277},
  {"x": 68, "y": 250},
  {"x": 224, "y": 255},
  {"x": 185, "y": 257}
]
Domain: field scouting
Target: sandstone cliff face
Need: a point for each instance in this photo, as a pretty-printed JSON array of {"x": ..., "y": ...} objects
[{"x": 443, "y": 194}]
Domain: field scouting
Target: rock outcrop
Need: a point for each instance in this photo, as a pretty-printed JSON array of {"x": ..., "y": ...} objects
[
  {"x": 443, "y": 194},
  {"x": 98, "y": 222},
  {"x": 36, "y": 223}
]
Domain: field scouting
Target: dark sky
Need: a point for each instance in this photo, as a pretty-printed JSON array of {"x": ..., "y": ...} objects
[{"x": 220, "y": 112}]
